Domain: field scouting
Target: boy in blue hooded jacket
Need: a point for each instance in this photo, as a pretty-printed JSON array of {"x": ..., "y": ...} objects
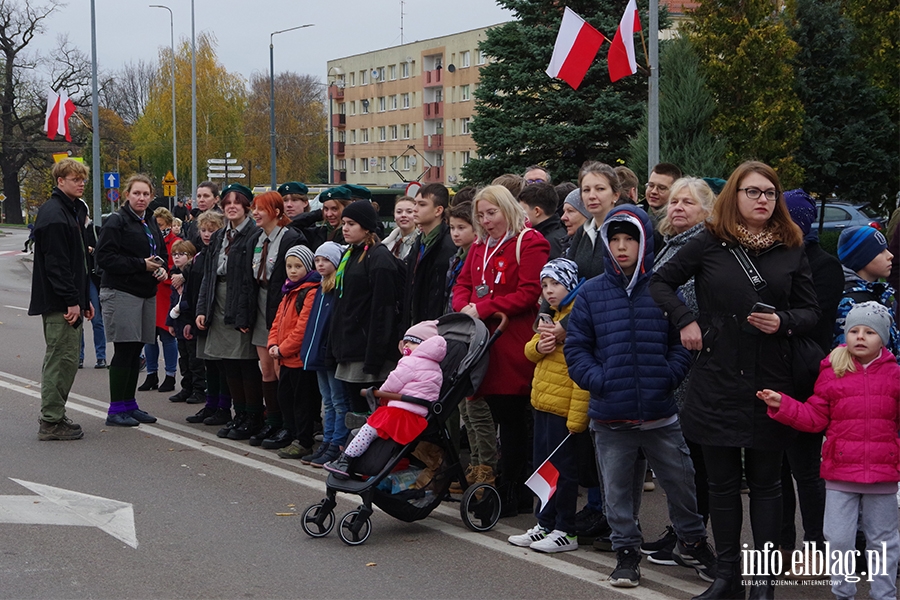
[{"x": 622, "y": 349}]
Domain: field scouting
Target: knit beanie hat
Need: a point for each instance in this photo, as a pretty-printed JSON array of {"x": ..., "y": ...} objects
[
  {"x": 622, "y": 226},
  {"x": 562, "y": 270},
  {"x": 857, "y": 246},
  {"x": 332, "y": 251},
  {"x": 420, "y": 332},
  {"x": 304, "y": 254},
  {"x": 871, "y": 314},
  {"x": 802, "y": 209},
  {"x": 363, "y": 213},
  {"x": 574, "y": 198}
]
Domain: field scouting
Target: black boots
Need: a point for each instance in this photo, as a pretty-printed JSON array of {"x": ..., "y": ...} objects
[
  {"x": 727, "y": 586},
  {"x": 168, "y": 384},
  {"x": 151, "y": 383}
]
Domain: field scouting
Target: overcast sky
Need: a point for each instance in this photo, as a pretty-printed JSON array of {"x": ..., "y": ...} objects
[{"x": 129, "y": 30}]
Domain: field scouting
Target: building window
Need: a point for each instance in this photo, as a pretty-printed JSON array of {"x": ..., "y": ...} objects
[
  {"x": 464, "y": 93},
  {"x": 342, "y": 164},
  {"x": 405, "y": 164},
  {"x": 404, "y": 100},
  {"x": 353, "y": 165},
  {"x": 382, "y": 164},
  {"x": 352, "y": 107},
  {"x": 392, "y": 102},
  {"x": 352, "y": 79},
  {"x": 363, "y": 78},
  {"x": 380, "y": 74},
  {"x": 364, "y": 105},
  {"x": 382, "y": 134},
  {"x": 382, "y": 104},
  {"x": 392, "y": 72},
  {"x": 464, "y": 59},
  {"x": 404, "y": 70},
  {"x": 352, "y": 136},
  {"x": 464, "y": 125},
  {"x": 482, "y": 57},
  {"x": 364, "y": 165},
  {"x": 392, "y": 163},
  {"x": 364, "y": 136},
  {"x": 404, "y": 131},
  {"x": 393, "y": 132}
]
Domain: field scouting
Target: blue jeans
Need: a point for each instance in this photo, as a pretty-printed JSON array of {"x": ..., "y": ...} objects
[
  {"x": 97, "y": 325},
  {"x": 335, "y": 406},
  {"x": 170, "y": 353},
  {"x": 668, "y": 455},
  {"x": 549, "y": 431}
]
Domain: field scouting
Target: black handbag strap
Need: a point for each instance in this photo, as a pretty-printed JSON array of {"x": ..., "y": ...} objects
[{"x": 750, "y": 270}]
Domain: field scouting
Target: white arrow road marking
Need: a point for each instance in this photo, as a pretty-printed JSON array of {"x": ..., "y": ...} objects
[{"x": 65, "y": 507}]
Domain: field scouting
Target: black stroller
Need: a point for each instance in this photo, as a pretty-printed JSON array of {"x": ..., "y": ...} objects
[{"x": 463, "y": 367}]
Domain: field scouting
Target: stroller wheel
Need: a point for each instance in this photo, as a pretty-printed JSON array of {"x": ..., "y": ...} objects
[
  {"x": 480, "y": 507},
  {"x": 353, "y": 530},
  {"x": 315, "y": 523}
]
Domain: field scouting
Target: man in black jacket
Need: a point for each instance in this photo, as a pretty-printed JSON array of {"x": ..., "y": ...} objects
[
  {"x": 60, "y": 294},
  {"x": 428, "y": 261},
  {"x": 539, "y": 200}
]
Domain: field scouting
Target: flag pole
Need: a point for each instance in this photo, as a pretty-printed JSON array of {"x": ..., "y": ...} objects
[
  {"x": 568, "y": 435},
  {"x": 653, "y": 91},
  {"x": 646, "y": 55}
]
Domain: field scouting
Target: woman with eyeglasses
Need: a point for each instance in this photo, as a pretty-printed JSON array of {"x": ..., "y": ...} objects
[{"x": 754, "y": 293}]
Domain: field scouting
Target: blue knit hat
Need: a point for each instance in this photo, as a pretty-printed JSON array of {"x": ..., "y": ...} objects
[
  {"x": 802, "y": 208},
  {"x": 858, "y": 246}
]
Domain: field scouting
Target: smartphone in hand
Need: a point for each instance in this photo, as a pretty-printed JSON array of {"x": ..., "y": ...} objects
[{"x": 761, "y": 307}]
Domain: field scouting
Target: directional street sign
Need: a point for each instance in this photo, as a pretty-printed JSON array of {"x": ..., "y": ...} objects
[
  {"x": 111, "y": 180},
  {"x": 220, "y": 175},
  {"x": 112, "y": 195},
  {"x": 221, "y": 161},
  {"x": 56, "y": 506},
  {"x": 229, "y": 168}
]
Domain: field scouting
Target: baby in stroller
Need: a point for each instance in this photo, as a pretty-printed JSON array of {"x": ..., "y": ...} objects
[{"x": 418, "y": 374}]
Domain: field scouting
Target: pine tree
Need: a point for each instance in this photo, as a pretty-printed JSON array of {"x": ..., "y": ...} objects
[
  {"x": 524, "y": 117},
  {"x": 745, "y": 53},
  {"x": 849, "y": 144},
  {"x": 686, "y": 108}
]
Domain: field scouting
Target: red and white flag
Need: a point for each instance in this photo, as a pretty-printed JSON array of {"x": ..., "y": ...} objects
[
  {"x": 577, "y": 43},
  {"x": 621, "y": 58},
  {"x": 60, "y": 109},
  {"x": 543, "y": 481}
]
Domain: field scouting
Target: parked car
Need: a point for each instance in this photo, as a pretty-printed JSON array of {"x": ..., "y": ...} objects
[{"x": 840, "y": 215}]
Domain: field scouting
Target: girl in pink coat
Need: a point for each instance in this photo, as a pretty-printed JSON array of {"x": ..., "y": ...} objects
[
  {"x": 418, "y": 374},
  {"x": 857, "y": 397}
]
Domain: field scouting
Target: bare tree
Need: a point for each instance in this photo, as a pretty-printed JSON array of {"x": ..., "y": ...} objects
[
  {"x": 127, "y": 90},
  {"x": 22, "y": 93}
]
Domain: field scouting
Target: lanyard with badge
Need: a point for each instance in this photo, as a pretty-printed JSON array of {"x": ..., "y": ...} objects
[{"x": 484, "y": 289}]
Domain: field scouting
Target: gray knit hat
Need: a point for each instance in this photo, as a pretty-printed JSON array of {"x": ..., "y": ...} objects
[
  {"x": 304, "y": 254},
  {"x": 871, "y": 314},
  {"x": 574, "y": 198},
  {"x": 332, "y": 251}
]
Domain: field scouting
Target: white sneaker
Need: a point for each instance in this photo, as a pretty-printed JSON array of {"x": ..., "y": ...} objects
[
  {"x": 524, "y": 540},
  {"x": 556, "y": 541}
]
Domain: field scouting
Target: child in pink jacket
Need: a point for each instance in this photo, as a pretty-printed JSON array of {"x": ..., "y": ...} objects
[
  {"x": 418, "y": 374},
  {"x": 857, "y": 397}
]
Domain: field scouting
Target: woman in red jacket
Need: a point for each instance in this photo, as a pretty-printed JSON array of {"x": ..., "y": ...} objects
[{"x": 502, "y": 274}]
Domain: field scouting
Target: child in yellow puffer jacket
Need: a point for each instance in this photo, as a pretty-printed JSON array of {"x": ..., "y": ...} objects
[{"x": 560, "y": 408}]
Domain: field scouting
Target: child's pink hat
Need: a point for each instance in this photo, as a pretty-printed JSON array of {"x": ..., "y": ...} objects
[{"x": 420, "y": 332}]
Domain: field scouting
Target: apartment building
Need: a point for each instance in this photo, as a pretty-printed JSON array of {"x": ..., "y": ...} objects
[{"x": 403, "y": 113}]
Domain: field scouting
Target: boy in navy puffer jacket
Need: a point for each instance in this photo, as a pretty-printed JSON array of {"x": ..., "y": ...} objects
[{"x": 621, "y": 348}]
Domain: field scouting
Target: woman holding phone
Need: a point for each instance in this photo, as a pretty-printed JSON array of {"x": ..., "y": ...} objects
[
  {"x": 749, "y": 252},
  {"x": 132, "y": 254}
]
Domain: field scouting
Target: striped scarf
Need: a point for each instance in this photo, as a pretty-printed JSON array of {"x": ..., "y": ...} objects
[{"x": 339, "y": 274}]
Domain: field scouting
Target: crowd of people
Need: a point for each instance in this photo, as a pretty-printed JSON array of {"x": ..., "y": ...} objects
[{"x": 674, "y": 336}]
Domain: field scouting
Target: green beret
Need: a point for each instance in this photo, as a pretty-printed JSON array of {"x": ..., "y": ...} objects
[
  {"x": 715, "y": 184},
  {"x": 240, "y": 189},
  {"x": 336, "y": 193},
  {"x": 358, "y": 192},
  {"x": 293, "y": 187}
]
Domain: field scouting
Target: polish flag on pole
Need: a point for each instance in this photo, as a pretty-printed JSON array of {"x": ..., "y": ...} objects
[
  {"x": 621, "y": 59},
  {"x": 60, "y": 109},
  {"x": 543, "y": 481},
  {"x": 577, "y": 43}
]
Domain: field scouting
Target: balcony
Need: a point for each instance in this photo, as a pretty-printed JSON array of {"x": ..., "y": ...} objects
[
  {"x": 335, "y": 92},
  {"x": 337, "y": 148},
  {"x": 433, "y": 78},
  {"x": 434, "y": 175},
  {"x": 339, "y": 120},
  {"x": 339, "y": 176},
  {"x": 434, "y": 142},
  {"x": 433, "y": 110}
]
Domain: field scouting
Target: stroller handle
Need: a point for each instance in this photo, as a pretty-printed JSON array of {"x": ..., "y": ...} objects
[{"x": 504, "y": 321}]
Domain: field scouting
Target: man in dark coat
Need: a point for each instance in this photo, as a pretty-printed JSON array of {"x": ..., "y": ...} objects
[
  {"x": 425, "y": 293},
  {"x": 539, "y": 202},
  {"x": 60, "y": 294}
]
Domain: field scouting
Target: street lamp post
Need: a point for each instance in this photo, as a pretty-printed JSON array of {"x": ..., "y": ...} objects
[
  {"x": 174, "y": 137},
  {"x": 193, "y": 105},
  {"x": 274, "y": 176}
]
